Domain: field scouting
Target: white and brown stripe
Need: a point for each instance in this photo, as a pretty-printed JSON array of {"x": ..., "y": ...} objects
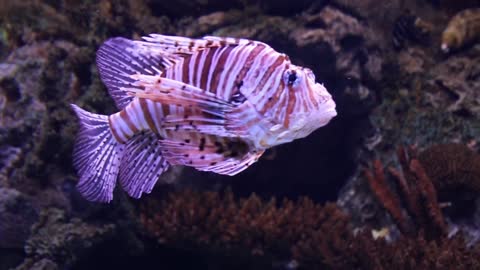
[
  {"x": 254, "y": 67},
  {"x": 138, "y": 115},
  {"x": 223, "y": 70}
]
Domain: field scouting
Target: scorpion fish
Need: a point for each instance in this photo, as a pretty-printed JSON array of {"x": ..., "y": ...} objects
[{"x": 213, "y": 103}]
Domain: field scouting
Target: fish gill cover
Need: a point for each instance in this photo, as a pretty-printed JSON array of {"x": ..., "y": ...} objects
[{"x": 414, "y": 96}]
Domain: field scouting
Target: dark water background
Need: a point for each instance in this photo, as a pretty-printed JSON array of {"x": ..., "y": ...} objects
[{"x": 382, "y": 62}]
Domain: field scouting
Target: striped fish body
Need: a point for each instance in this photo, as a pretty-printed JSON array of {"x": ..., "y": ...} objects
[{"x": 214, "y": 104}]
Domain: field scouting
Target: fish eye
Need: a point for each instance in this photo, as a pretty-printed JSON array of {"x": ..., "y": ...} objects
[{"x": 291, "y": 77}]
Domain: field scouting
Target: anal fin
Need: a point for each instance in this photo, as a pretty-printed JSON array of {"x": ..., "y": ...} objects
[
  {"x": 142, "y": 164},
  {"x": 233, "y": 166}
]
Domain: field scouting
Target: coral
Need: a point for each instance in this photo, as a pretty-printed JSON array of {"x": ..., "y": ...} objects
[
  {"x": 455, "y": 172},
  {"x": 418, "y": 253},
  {"x": 299, "y": 234},
  {"x": 389, "y": 200},
  {"x": 420, "y": 195},
  {"x": 452, "y": 167},
  {"x": 423, "y": 213},
  {"x": 222, "y": 224}
]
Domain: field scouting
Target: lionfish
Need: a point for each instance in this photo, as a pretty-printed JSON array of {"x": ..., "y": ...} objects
[{"x": 215, "y": 104}]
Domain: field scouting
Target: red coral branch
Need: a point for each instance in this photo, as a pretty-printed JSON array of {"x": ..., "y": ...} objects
[
  {"x": 429, "y": 195},
  {"x": 387, "y": 198},
  {"x": 416, "y": 191},
  {"x": 409, "y": 195}
]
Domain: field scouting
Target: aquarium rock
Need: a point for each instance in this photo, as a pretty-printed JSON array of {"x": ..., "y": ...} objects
[
  {"x": 16, "y": 217},
  {"x": 63, "y": 240}
]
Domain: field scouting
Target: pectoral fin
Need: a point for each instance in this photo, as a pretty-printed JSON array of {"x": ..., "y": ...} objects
[
  {"x": 209, "y": 153},
  {"x": 203, "y": 111}
]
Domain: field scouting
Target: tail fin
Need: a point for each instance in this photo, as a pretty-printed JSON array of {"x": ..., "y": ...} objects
[{"x": 96, "y": 156}]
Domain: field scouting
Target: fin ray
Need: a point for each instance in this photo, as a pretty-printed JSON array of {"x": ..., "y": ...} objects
[
  {"x": 184, "y": 45},
  {"x": 212, "y": 113},
  {"x": 119, "y": 58},
  {"x": 233, "y": 166},
  {"x": 142, "y": 164},
  {"x": 96, "y": 157},
  {"x": 205, "y": 156}
]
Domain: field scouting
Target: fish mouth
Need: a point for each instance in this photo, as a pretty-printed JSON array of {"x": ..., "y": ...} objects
[
  {"x": 326, "y": 118},
  {"x": 328, "y": 113},
  {"x": 331, "y": 108},
  {"x": 331, "y": 112}
]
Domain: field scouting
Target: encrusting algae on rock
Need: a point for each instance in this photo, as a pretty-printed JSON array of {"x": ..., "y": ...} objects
[{"x": 215, "y": 104}]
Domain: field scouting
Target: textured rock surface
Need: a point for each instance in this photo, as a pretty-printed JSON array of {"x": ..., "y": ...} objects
[
  {"x": 58, "y": 240},
  {"x": 16, "y": 217}
]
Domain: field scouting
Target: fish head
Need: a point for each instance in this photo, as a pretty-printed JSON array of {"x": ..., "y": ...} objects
[
  {"x": 309, "y": 105},
  {"x": 299, "y": 106}
]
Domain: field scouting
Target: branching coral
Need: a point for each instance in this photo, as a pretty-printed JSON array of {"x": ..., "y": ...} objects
[
  {"x": 389, "y": 200},
  {"x": 286, "y": 230},
  {"x": 447, "y": 173},
  {"x": 422, "y": 211},
  {"x": 417, "y": 253},
  {"x": 312, "y": 236}
]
